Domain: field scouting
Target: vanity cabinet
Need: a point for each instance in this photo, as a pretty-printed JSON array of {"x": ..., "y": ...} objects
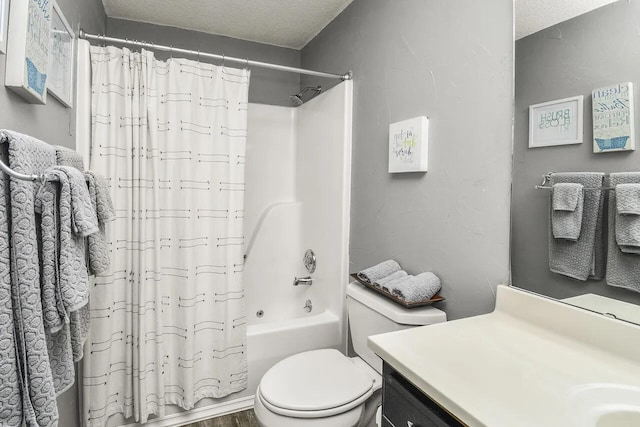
[{"x": 403, "y": 405}]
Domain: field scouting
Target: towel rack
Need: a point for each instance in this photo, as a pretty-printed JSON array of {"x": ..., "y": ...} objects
[
  {"x": 21, "y": 176},
  {"x": 547, "y": 177}
]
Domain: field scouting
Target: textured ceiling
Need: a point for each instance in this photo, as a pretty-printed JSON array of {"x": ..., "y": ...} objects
[
  {"x": 535, "y": 15},
  {"x": 286, "y": 23},
  {"x": 293, "y": 23}
]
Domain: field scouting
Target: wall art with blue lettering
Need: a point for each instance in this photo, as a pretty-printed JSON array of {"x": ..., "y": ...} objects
[
  {"x": 613, "y": 118},
  {"x": 28, "y": 47},
  {"x": 556, "y": 122}
]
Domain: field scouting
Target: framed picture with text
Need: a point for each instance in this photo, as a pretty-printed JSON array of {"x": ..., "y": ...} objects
[
  {"x": 28, "y": 45},
  {"x": 4, "y": 23},
  {"x": 613, "y": 118},
  {"x": 60, "y": 84},
  {"x": 557, "y": 122}
]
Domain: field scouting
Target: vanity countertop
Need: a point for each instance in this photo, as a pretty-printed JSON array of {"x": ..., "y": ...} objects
[{"x": 529, "y": 363}]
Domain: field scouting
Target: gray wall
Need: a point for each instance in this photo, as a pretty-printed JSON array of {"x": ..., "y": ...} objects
[
  {"x": 267, "y": 86},
  {"x": 55, "y": 124},
  {"x": 52, "y": 122},
  {"x": 573, "y": 58},
  {"x": 451, "y": 60}
]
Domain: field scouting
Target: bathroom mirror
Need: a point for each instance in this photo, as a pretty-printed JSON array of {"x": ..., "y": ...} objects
[{"x": 572, "y": 58}]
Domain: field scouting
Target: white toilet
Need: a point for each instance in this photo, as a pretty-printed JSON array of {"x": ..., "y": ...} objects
[{"x": 324, "y": 388}]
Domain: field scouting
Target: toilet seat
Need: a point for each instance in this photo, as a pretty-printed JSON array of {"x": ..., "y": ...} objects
[{"x": 315, "y": 384}]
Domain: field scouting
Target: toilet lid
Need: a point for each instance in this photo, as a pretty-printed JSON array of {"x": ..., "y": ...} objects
[{"x": 317, "y": 380}]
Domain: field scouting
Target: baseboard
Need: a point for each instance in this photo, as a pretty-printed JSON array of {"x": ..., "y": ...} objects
[{"x": 199, "y": 414}]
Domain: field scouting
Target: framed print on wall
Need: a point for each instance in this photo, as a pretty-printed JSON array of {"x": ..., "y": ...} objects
[
  {"x": 408, "y": 145},
  {"x": 613, "y": 118},
  {"x": 28, "y": 46},
  {"x": 556, "y": 122},
  {"x": 60, "y": 81},
  {"x": 4, "y": 23}
]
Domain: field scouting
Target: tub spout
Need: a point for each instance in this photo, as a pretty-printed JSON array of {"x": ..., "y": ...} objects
[{"x": 303, "y": 281}]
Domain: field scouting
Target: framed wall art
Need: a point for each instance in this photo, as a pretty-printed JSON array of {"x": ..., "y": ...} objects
[
  {"x": 556, "y": 122},
  {"x": 408, "y": 145},
  {"x": 28, "y": 45},
  {"x": 613, "y": 118},
  {"x": 60, "y": 81},
  {"x": 4, "y": 23}
]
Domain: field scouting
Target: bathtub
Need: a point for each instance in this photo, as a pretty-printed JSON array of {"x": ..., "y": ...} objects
[{"x": 267, "y": 344}]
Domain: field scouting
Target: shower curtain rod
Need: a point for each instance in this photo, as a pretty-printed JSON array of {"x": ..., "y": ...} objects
[{"x": 247, "y": 62}]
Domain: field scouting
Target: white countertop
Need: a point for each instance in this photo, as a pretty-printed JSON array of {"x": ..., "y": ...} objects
[
  {"x": 518, "y": 366},
  {"x": 609, "y": 306}
]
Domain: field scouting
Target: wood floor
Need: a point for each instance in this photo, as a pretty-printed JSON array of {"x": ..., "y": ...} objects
[{"x": 238, "y": 419}]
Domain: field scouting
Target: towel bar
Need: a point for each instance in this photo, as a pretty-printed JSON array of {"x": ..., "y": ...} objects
[
  {"x": 6, "y": 169},
  {"x": 547, "y": 177},
  {"x": 21, "y": 176}
]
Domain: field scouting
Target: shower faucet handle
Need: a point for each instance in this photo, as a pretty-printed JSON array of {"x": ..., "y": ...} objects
[{"x": 302, "y": 281}]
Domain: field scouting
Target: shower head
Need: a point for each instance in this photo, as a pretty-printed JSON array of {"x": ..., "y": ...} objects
[{"x": 296, "y": 99}]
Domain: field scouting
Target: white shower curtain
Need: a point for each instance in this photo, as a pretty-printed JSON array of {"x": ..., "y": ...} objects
[{"x": 168, "y": 319}]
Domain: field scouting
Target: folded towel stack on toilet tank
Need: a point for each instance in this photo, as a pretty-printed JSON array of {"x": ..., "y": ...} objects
[
  {"x": 379, "y": 271},
  {"x": 422, "y": 287},
  {"x": 383, "y": 283},
  {"x": 389, "y": 276}
]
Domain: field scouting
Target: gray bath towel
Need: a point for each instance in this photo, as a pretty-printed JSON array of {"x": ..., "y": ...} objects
[
  {"x": 10, "y": 380},
  {"x": 379, "y": 271},
  {"x": 75, "y": 216},
  {"x": 79, "y": 330},
  {"x": 46, "y": 204},
  {"x": 79, "y": 320},
  {"x": 102, "y": 196},
  {"x": 628, "y": 218},
  {"x": 417, "y": 288},
  {"x": 68, "y": 157},
  {"x": 83, "y": 215},
  {"x": 29, "y": 156},
  {"x": 566, "y": 215},
  {"x": 98, "y": 250},
  {"x": 74, "y": 213},
  {"x": 581, "y": 259},
  {"x": 382, "y": 283},
  {"x": 623, "y": 269}
]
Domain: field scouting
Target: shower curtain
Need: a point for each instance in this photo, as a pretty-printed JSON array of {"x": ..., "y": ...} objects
[{"x": 168, "y": 319}]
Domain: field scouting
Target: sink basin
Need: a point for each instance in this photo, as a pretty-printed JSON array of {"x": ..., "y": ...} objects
[
  {"x": 604, "y": 405},
  {"x": 620, "y": 417}
]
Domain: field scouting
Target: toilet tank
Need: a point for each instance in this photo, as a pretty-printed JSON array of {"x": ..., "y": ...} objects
[{"x": 371, "y": 313}]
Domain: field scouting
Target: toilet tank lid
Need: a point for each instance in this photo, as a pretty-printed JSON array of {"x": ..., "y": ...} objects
[{"x": 414, "y": 316}]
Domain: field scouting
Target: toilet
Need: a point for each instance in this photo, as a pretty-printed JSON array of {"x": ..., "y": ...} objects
[{"x": 324, "y": 388}]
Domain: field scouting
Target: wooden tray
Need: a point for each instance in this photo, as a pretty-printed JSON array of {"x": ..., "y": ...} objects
[{"x": 436, "y": 298}]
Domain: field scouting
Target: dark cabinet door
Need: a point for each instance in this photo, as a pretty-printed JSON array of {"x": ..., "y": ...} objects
[{"x": 403, "y": 405}]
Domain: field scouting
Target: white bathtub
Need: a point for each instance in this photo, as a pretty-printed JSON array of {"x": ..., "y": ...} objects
[{"x": 268, "y": 343}]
